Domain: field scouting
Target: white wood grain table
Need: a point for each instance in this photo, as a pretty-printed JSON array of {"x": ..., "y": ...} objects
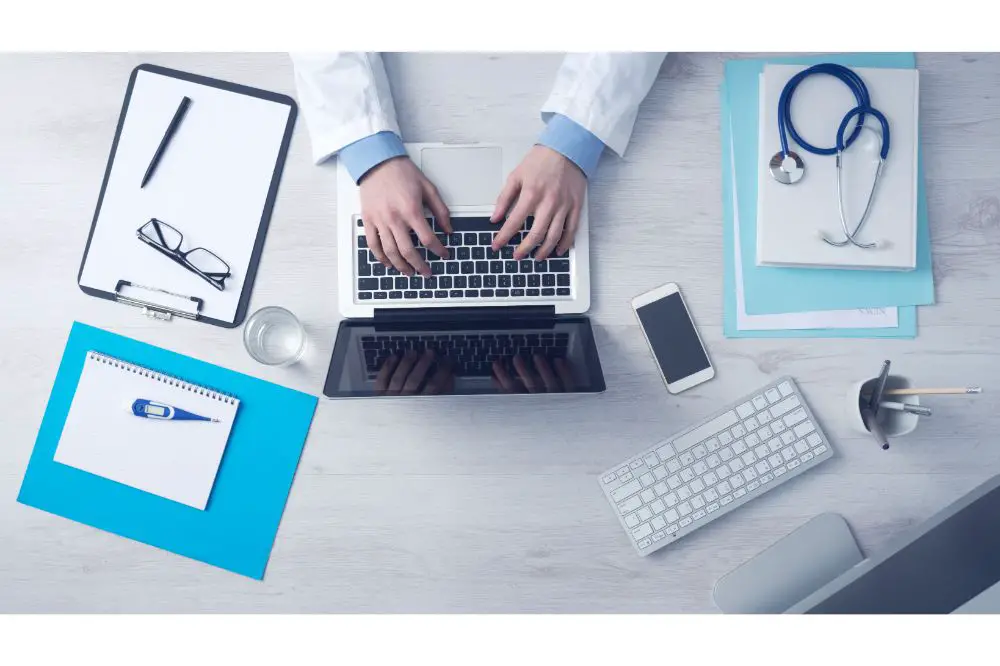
[{"x": 433, "y": 506}]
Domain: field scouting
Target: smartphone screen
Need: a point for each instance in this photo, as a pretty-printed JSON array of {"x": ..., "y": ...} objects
[{"x": 672, "y": 336}]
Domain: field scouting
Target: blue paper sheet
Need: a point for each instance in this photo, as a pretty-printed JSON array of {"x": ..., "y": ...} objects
[
  {"x": 237, "y": 530},
  {"x": 907, "y": 314},
  {"x": 772, "y": 290}
]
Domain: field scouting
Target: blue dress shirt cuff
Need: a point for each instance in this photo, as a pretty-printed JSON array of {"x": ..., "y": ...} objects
[
  {"x": 574, "y": 142},
  {"x": 365, "y": 154}
]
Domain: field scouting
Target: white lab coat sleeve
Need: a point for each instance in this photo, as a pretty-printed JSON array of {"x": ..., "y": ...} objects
[
  {"x": 344, "y": 97},
  {"x": 601, "y": 92}
]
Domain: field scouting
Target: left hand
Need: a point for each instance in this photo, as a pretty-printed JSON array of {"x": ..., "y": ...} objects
[
  {"x": 552, "y": 188},
  {"x": 414, "y": 374}
]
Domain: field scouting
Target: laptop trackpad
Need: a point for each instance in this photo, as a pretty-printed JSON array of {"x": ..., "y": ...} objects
[{"x": 465, "y": 176}]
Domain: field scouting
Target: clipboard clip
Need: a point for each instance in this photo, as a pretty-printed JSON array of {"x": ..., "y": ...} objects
[{"x": 158, "y": 310}]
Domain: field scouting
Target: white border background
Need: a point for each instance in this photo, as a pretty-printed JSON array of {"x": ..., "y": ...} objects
[{"x": 509, "y": 25}]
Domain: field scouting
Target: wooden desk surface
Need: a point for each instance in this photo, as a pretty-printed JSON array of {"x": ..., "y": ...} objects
[{"x": 428, "y": 505}]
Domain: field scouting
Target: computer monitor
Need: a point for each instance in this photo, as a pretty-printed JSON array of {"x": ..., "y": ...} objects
[{"x": 950, "y": 563}]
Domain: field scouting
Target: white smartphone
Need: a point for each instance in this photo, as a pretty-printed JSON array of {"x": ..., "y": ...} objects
[{"x": 672, "y": 338}]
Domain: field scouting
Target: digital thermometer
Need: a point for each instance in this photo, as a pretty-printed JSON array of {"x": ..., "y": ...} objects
[{"x": 149, "y": 409}]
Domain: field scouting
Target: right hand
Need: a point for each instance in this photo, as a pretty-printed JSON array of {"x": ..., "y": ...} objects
[{"x": 393, "y": 195}]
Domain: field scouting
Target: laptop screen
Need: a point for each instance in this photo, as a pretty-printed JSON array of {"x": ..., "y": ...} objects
[{"x": 549, "y": 355}]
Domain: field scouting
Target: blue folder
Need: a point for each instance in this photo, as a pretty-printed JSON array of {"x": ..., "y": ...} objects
[
  {"x": 907, "y": 314},
  {"x": 771, "y": 290},
  {"x": 237, "y": 530}
]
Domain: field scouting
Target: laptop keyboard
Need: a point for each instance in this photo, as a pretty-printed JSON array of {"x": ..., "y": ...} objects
[
  {"x": 473, "y": 271},
  {"x": 472, "y": 354}
]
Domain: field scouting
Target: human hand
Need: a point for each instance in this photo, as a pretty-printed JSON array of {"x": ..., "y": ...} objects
[
  {"x": 534, "y": 376},
  {"x": 406, "y": 375},
  {"x": 552, "y": 188},
  {"x": 392, "y": 199}
]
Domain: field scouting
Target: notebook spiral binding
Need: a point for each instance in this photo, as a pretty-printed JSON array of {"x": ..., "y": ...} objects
[{"x": 170, "y": 380}]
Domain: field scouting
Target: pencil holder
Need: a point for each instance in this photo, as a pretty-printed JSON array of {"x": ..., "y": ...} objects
[{"x": 895, "y": 424}]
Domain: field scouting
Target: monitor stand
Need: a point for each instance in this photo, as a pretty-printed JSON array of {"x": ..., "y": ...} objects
[{"x": 791, "y": 569}]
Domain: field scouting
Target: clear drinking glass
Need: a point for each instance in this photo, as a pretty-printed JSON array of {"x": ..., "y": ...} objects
[{"x": 274, "y": 336}]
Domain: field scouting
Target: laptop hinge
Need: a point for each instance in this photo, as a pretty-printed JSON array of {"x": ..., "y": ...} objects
[{"x": 459, "y": 314}]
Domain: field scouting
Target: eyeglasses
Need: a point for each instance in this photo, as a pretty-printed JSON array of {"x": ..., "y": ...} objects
[{"x": 204, "y": 263}]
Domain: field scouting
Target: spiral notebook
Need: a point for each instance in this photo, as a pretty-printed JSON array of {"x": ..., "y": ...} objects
[{"x": 177, "y": 460}]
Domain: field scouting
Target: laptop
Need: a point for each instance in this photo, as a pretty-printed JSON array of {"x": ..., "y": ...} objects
[{"x": 484, "y": 323}]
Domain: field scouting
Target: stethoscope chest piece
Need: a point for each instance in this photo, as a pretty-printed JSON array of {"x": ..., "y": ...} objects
[{"x": 787, "y": 168}]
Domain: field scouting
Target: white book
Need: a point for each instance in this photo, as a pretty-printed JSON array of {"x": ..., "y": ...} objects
[
  {"x": 790, "y": 218},
  {"x": 178, "y": 460}
]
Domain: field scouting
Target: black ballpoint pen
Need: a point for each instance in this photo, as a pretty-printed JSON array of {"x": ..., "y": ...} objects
[{"x": 171, "y": 130}]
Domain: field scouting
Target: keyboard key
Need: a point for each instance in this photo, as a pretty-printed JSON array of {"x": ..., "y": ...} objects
[
  {"x": 789, "y": 454},
  {"x": 635, "y": 464},
  {"x": 644, "y": 513},
  {"x": 687, "y": 458},
  {"x": 736, "y": 480},
  {"x": 726, "y": 500},
  {"x": 395, "y": 294},
  {"x": 661, "y": 489},
  {"x": 671, "y": 500},
  {"x": 517, "y": 292},
  {"x": 785, "y": 388},
  {"x": 778, "y": 427},
  {"x": 621, "y": 492},
  {"x": 534, "y": 280},
  {"x": 651, "y": 460},
  {"x": 642, "y": 532},
  {"x": 658, "y": 523},
  {"x": 673, "y": 465},
  {"x": 739, "y": 493},
  {"x": 409, "y": 294},
  {"x": 726, "y": 454},
  {"x": 736, "y": 464},
  {"x": 710, "y": 479},
  {"x": 369, "y": 284},
  {"x": 792, "y": 464},
  {"x": 753, "y": 485},
  {"x": 562, "y": 280},
  {"x": 739, "y": 446},
  {"x": 675, "y": 481},
  {"x": 608, "y": 478},
  {"x": 671, "y": 516},
  {"x": 658, "y": 535},
  {"x": 722, "y": 471},
  {"x": 763, "y": 452},
  {"x": 647, "y": 479},
  {"x": 660, "y": 472},
  {"x": 699, "y": 434},
  {"x": 778, "y": 471},
  {"x": 745, "y": 410},
  {"x": 804, "y": 428},
  {"x": 559, "y": 265},
  {"x": 763, "y": 467},
  {"x": 820, "y": 449},
  {"x": 724, "y": 488},
  {"x": 365, "y": 296},
  {"x": 684, "y": 492},
  {"x": 783, "y": 407},
  {"x": 381, "y": 295},
  {"x": 767, "y": 478},
  {"x": 456, "y": 293},
  {"x": 445, "y": 282},
  {"x": 712, "y": 508},
  {"x": 684, "y": 509},
  {"x": 548, "y": 280},
  {"x": 510, "y": 267},
  {"x": 696, "y": 486},
  {"x": 775, "y": 460},
  {"x": 807, "y": 457},
  {"x": 787, "y": 437},
  {"x": 685, "y": 522},
  {"x": 485, "y": 238},
  {"x": 697, "y": 502},
  {"x": 748, "y": 458},
  {"x": 738, "y": 431},
  {"x": 548, "y": 292},
  {"x": 814, "y": 439},
  {"x": 472, "y": 293},
  {"x": 699, "y": 452},
  {"x": 712, "y": 444},
  {"x": 699, "y": 468},
  {"x": 656, "y": 506},
  {"x": 711, "y": 495},
  {"x": 764, "y": 433},
  {"x": 698, "y": 515},
  {"x": 725, "y": 438},
  {"x": 502, "y": 293},
  {"x": 752, "y": 440},
  {"x": 773, "y": 446},
  {"x": 713, "y": 461},
  {"x": 772, "y": 395},
  {"x": 795, "y": 417},
  {"x": 632, "y": 520},
  {"x": 643, "y": 544},
  {"x": 759, "y": 402}
]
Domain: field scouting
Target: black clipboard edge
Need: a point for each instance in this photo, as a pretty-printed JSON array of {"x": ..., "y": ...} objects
[{"x": 272, "y": 194}]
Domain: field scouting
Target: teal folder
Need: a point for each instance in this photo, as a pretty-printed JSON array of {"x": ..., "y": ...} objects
[
  {"x": 907, "y": 314},
  {"x": 237, "y": 529},
  {"x": 771, "y": 290}
]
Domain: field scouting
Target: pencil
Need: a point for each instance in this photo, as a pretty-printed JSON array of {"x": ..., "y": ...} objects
[{"x": 935, "y": 391}]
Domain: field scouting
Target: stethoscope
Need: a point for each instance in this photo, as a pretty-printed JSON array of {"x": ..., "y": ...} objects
[{"x": 787, "y": 167}]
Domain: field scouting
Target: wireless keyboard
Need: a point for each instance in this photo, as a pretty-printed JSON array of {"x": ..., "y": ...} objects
[{"x": 688, "y": 480}]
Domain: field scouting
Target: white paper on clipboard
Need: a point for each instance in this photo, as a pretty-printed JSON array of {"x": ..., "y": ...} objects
[{"x": 212, "y": 184}]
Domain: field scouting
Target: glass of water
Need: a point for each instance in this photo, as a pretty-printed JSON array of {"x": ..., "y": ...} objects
[{"x": 274, "y": 336}]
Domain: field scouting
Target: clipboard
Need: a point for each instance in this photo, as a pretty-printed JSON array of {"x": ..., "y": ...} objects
[{"x": 216, "y": 183}]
